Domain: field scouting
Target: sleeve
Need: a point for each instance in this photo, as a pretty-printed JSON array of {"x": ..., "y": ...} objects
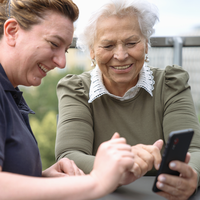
[
  {"x": 75, "y": 135},
  {"x": 179, "y": 110}
]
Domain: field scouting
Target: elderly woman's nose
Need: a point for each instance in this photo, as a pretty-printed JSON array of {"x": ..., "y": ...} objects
[
  {"x": 60, "y": 60},
  {"x": 121, "y": 53}
]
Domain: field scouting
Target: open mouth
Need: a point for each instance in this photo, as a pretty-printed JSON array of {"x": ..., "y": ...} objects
[
  {"x": 43, "y": 68},
  {"x": 122, "y": 67}
]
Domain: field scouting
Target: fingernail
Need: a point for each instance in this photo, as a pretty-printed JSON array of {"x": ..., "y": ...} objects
[
  {"x": 160, "y": 185},
  {"x": 172, "y": 164},
  {"x": 162, "y": 179},
  {"x": 158, "y": 166}
]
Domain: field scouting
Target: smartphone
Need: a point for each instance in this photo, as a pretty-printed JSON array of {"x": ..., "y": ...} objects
[{"x": 175, "y": 149}]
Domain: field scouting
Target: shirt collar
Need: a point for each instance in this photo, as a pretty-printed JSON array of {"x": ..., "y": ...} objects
[
  {"x": 15, "y": 92},
  {"x": 5, "y": 81},
  {"x": 97, "y": 88}
]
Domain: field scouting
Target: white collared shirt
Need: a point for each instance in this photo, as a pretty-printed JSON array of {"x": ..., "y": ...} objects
[{"x": 97, "y": 88}]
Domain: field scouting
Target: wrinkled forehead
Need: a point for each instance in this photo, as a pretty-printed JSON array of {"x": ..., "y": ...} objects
[{"x": 116, "y": 21}]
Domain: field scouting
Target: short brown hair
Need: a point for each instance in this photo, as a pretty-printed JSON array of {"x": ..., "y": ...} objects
[{"x": 28, "y": 12}]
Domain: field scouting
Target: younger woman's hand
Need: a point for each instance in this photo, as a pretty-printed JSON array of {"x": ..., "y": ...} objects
[
  {"x": 113, "y": 159},
  {"x": 64, "y": 167}
]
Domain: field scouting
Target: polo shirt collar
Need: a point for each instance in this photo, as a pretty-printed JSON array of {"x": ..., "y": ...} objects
[
  {"x": 15, "y": 92},
  {"x": 5, "y": 81}
]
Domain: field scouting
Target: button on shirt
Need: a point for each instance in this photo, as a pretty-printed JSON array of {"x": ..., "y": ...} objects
[{"x": 19, "y": 151}]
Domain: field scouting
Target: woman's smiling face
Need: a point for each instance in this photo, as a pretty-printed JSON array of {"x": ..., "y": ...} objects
[
  {"x": 119, "y": 49},
  {"x": 42, "y": 48}
]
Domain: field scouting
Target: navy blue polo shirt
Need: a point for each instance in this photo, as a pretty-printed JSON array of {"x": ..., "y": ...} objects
[{"x": 19, "y": 151}]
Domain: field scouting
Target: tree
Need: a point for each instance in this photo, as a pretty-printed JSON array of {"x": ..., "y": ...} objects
[{"x": 45, "y": 133}]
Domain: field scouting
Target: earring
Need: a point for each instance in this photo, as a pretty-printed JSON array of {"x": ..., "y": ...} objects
[
  {"x": 93, "y": 64},
  {"x": 146, "y": 58}
]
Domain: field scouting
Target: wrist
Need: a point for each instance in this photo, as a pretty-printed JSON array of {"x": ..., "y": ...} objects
[{"x": 98, "y": 187}]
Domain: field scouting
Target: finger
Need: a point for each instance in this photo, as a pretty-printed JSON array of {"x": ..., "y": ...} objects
[
  {"x": 155, "y": 152},
  {"x": 146, "y": 159},
  {"x": 61, "y": 174},
  {"x": 82, "y": 173},
  {"x": 77, "y": 171},
  {"x": 122, "y": 158},
  {"x": 159, "y": 144},
  {"x": 122, "y": 154},
  {"x": 117, "y": 141},
  {"x": 169, "y": 183},
  {"x": 122, "y": 146},
  {"x": 168, "y": 191},
  {"x": 136, "y": 170},
  {"x": 140, "y": 167},
  {"x": 184, "y": 169},
  {"x": 187, "y": 158},
  {"x": 67, "y": 167},
  {"x": 116, "y": 135}
]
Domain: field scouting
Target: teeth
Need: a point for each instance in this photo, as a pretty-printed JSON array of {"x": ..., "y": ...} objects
[
  {"x": 122, "y": 67},
  {"x": 43, "y": 68}
]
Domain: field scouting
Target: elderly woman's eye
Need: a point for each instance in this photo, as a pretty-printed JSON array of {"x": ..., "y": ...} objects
[
  {"x": 108, "y": 46},
  {"x": 131, "y": 44}
]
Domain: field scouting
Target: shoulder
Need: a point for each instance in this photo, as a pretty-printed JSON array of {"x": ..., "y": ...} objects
[
  {"x": 75, "y": 83},
  {"x": 174, "y": 77}
]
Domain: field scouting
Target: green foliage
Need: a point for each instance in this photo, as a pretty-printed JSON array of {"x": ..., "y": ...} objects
[
  {"x": 45, "y": 133},
  {"x": 43, "y": 98},
  {"x": 43, "y": 101}
]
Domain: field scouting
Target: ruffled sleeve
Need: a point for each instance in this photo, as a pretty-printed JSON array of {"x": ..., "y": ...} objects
[{"x": 176, "y": 78}]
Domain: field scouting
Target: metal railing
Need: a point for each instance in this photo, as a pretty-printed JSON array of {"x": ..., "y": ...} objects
[{"x": 177, "y": 43}]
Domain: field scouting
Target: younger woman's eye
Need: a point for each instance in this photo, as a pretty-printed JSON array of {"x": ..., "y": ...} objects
[{"x": 55, "y": 45}]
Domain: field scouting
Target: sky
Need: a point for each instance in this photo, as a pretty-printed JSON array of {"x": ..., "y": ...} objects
[{"x": 176, "y": 16}]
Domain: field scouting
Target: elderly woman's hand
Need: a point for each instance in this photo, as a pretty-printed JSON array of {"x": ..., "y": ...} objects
[
  {"x": 178, "y": 187},
  {"x": 145, "y": 156}
]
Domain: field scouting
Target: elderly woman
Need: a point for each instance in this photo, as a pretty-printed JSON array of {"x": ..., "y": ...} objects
[
  {"x": 122, "y": 93},
  {"x": 34, "y": 36}
]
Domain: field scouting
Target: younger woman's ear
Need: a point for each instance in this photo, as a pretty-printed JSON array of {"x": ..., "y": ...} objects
[{"x": 11, "y": 28}]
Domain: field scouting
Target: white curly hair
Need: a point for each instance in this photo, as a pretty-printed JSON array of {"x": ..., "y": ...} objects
[{"x": 146, "y": 12}]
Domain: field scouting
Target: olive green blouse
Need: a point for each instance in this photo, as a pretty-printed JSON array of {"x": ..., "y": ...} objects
[{"x": 83, "y": 126}]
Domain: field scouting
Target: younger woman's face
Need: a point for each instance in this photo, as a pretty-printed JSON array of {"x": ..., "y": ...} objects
[{"x": 42, "y": 48}]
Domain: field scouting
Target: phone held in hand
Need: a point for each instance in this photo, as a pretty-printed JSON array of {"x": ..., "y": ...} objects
[{"x": 175, "y": 149}]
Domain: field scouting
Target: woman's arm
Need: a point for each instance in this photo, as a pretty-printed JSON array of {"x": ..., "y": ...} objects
[
  {"x": 179, "y": 113},
  {"x": 75, "y": 134},
  {"x": 113, "y": 159}
]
